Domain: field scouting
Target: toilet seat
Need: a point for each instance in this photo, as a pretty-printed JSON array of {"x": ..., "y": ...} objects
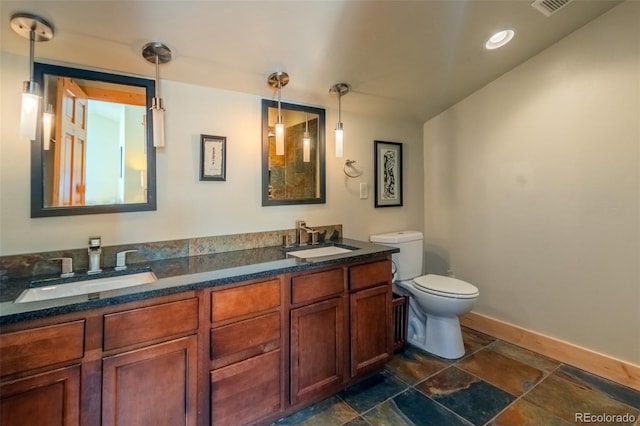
[{"x": 440, "y": 285}]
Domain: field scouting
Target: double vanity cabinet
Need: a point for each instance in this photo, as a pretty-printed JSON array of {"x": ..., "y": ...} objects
[{"x": 242, "y": 353}]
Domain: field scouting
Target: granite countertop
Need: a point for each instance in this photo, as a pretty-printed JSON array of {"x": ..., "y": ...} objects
[{"x": 177, "y": 275}]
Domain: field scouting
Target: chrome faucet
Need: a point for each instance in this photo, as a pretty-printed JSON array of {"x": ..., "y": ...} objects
[
  {"x": 303, "y": 231},
  {"x": 67, "y": 266},
  {"x": 121, "y": 259},
  {"x": 95, "y": 250}
]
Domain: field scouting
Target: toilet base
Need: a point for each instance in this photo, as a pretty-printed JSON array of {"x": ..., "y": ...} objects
[{"x": 440, "y": 336}]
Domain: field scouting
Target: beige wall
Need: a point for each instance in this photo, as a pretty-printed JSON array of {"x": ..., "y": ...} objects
[
  {"x": 190, "y": 208},
  {"x": 533, "y": 189}
]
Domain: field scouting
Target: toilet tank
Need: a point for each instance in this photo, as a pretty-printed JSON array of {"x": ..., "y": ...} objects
[{"x": 408, "y": 263}]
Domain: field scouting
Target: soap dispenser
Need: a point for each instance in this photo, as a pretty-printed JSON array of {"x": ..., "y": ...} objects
[{"x": 95, "y": 249}]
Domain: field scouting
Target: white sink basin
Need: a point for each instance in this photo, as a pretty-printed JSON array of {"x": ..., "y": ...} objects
[
  {"x": 318, "y": 252},
  {"x": 77, "y": 288}
]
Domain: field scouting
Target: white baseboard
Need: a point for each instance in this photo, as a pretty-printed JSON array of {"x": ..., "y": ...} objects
[{"x": 602, "y": 365}]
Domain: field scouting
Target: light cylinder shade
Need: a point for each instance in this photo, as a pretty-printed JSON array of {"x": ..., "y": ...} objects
[
  {"x": 29, "y": 115},
  {"x": 339, "y": 140},
  {"x": 157, "y": 115},
  {"x": 279, "y": 139}
]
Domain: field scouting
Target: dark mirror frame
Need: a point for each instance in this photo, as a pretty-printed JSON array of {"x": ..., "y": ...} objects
[
  {"x": 38, "y": 208},
  {"x": 321, "y": 199}
]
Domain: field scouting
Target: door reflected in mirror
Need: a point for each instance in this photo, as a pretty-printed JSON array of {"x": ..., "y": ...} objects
[
  {"x": 297, "y": 176},
  {"x": 94, "y": 153}
]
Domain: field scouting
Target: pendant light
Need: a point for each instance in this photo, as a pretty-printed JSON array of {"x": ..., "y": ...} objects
[
  {"x": 157, "y": 53},
  {"x": 278, "y": 80},
  {"x": 35, "y": 29},
  {"x": 340, "y": 89},
  {"x": 306, "y": 141}
]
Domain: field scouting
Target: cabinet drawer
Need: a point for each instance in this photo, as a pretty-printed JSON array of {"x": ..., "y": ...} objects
[
  {"x": 248, "y": 299},
  {"x": 315, "y": 286},
  {"x": 369, "y": 274},
  {"x": 40, "y": 347},
  {"x": 146, "y": 324},
  {"x": 244, "y": 339},
  {"x": 244, "y": 392}
]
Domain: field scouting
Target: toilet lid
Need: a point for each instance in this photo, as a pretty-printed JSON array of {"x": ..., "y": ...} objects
[{"x": 439, "y": 284}]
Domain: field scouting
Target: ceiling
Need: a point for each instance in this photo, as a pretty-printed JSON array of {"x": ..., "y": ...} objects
[{"x": 405, "y": 59}]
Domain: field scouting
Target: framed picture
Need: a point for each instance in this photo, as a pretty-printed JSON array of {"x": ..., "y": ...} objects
[
  {"x": 213, "y": 157},
  {"x": 388, "y": 170}
]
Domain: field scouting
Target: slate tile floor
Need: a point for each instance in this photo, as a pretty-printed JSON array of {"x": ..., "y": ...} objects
[{"x": 494, "y": 384}]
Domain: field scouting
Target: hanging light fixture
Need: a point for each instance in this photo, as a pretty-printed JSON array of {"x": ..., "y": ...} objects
[
  {"x": 340, "y": 89},
  {"x": 35, "y": 29},
  {"x": 278, "y": 80},
  {"x": 306, "y": 141},
  {"x": 157, "y": 53}
]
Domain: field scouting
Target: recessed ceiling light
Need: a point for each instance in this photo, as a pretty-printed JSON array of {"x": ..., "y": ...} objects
[{"x": 499, "y": 39}]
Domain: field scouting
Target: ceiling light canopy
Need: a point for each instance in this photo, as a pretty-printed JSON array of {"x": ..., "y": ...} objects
[{"x": 499, "y": 39}]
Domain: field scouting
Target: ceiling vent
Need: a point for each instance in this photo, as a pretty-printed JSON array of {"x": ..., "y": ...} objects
[{"x": 549, "y": 7}]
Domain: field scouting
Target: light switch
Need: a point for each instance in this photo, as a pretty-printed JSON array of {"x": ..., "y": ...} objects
[{"x": 364, "y": 191}]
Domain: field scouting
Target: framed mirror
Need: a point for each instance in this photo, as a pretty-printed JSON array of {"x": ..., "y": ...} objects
[
  {"x": 93, "y": 151},
  {"x": 293, "y": 173}
]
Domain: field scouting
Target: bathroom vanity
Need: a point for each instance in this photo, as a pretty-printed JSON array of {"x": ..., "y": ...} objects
[{"x": 225, "y": 346}]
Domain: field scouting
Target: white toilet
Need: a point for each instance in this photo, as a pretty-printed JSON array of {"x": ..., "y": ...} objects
[{"x": 435, "y": 301}]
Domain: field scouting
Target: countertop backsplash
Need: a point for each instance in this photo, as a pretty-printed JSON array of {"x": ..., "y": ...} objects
[{"x": 35, "y": 264}]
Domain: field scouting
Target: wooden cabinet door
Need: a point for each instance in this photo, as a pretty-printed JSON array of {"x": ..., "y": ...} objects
[
  {"x": 246, "y": 391},
  {"x": 48, "y": 399},
  {"x": 317, "y": 348},
  {"x": 371, "y": 339},
  {"x": 155, "y": 385}
]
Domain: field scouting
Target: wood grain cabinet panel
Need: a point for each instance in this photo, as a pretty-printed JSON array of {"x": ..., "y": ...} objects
[
  {"x": 244, "y": 339},
  {"x": 317, "y": 348},
  {"x": 370, "y": 274},
  {"x": 40, "y": 347},
  {"x": 244, "y": 300},
  {"x": 317, "y": 285},
  {"x": 246, "y": 391},
  {"x": 48, "y": 399},
  {"x": 142, "y": 325},
  {"x": 155, "y": 385},
  {"x": 371, "y": 338},
  {"x": 240, "y": 355}
]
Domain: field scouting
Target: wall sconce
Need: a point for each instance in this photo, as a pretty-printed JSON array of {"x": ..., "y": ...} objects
[
  {"x": 278, "y": 80},
  {"x": 306, "y": 141},
  {"x": 340, "y": 89},
  {"x": 157, "y": 53},
  {"x": 35, "y": 29}
]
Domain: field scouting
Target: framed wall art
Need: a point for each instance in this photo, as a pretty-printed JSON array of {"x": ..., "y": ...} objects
[
  {"x": 213, "y": 157},
  {"x": 388, "y": 174}
]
